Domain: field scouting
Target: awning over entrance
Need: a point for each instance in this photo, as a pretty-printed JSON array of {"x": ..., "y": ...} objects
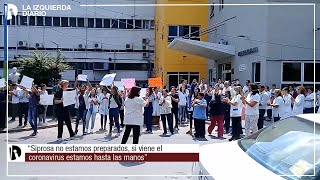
[{"x": 204, "y": 49}]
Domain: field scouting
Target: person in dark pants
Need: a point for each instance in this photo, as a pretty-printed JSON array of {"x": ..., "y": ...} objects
[
  {"x": 191, "y": 98},
  {"x": 62, "y": 113},
  {"x": 3, "y": 105},
  {"x": 148, "y": 111},
  {"x": 15, "y": 101},
  {"x": 133, "y": 118},
  {"x": 264, "y": 98},
  {"x": 227, "y": 113},
  {"x": 165, "y": 112},
  {"x": 199, "y": 116},
  {"x": 175, "y": 107},
  {"x": 217, "y": 113},
  {"x": 121, "y": 112},
  {"x": 235, "y": 113},
  {"x": 34, "y": 98},
  {"x": 114, "y": 104},
  {"x": 23, "y": 107}
]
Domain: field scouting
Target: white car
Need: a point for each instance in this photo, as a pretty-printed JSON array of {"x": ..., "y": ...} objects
[{"x": 289, "y": 149}]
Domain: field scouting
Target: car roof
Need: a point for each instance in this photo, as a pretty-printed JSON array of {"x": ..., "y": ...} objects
[{"x": 311, "y": 117}]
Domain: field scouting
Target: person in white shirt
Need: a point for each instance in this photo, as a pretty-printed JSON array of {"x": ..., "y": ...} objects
[
  {"x": 309, "y": 101},
  {"x": 15, "y": 101},
  {"x": 92, "y": 110},
  {"x": 166, "y": 105},
  {"x": 103, "y": 100},
  {"x": 287, "y": 109},
  {"x": 114, "y": 108},
  {"x": 298, "y": 102},
  {"x": 226, "y": 88},
  {"x": 277, "y": 105},
  {"x": 42, "y": 110},
  {"x": 246, "y": 88},
  {"x": 156, "y": 107},
  {"x": 318, "y": 100},
  {"x": 269, "y": 108},
  {"x": 235, "y": 113},
  {"x": 203, "y": 86},
  {"x": 220, "y": 84},
  {"x": 182, "y": 103},
  {"x": 133, "y": 117},
  {"x": 23, "y": 106},
  {"x": 264, "y": 99},
  {"x": 251, "y": 110}
]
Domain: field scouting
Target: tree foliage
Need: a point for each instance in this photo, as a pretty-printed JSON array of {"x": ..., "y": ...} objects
[{"x": 42, "y": 66}]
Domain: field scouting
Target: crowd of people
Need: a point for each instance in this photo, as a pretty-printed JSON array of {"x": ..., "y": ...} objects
[{"x": 226, "y": 104}]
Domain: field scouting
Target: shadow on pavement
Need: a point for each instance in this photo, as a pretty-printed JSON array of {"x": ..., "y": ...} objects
[
  {"x": 27, "y": 137},
  {"x": 199, "y": 139},
  {"x": 130, "y": 164},
  {"x": 220, "y": 138},
  {"x": 57, "y": 142}
]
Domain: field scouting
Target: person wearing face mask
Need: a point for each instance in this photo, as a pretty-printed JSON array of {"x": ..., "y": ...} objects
[
  {"x": 92, "y": 109},
  {"x": 251, "y": 110},
  {"x": 298, "y": 102},
  {"x": 81, "y": 103},
  {"x": 62, "y": 112},
  {"x": 103, "y": 100}
]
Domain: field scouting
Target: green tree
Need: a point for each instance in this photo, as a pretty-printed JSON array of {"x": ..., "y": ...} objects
[{"x": 43, "y": 67}]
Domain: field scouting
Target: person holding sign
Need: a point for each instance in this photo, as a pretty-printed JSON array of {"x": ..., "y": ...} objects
[
  {"x": 34, "y": 97},
  {"x": 103, "y": 100},
  {"x": 133, "y": 117},
  {"x": 81, "y": 103},
  {"x": 114, "y": 106},
  {"x": 62, "y": 113}
]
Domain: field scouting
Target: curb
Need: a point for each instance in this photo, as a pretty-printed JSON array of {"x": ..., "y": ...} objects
[{"x": 28, "y": 129}]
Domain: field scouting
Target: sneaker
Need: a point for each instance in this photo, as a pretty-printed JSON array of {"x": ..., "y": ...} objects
[
  {"x": 172, "y": 133},
  {"x": 164, "y": 133},
  {"x": 33, "y": 134},
  {"x": 189, "y": 132},
  {"x": 101, "y": 129},
  {"x": 59, "y": 139},
  {"x": 109, "y": 135}
]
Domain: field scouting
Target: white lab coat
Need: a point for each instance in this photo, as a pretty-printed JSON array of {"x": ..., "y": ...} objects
[
  {"x": 298, "y": 105},
  {"x": 287, "y": 110},
  {"x": 103, "y": 108}
]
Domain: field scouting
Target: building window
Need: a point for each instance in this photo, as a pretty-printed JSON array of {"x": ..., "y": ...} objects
[
  {"x": 98, "y": 65},
  {"x": 309, "y": 72},
  {"x": 13, "y": 20},
  {"x": 114, "y": 23},
  {"x": 221, "y": 2},
  {"x": 122, "y": 24},
  {"x": 39, "y": 20},
  {"x": 32, "y": 20},
  {"x": 152, "y": 24},
  {"x": 256, "y": 68},
  {"x": 187, "y": 32},
  {"x": 64, "y": 21},
  {"x": 212, "y": 11},
  {"x": 1, "y": 22},
  {"x": 98, "y": 23},
  {"x": 23, "y": 20},
  {"x": 129, "y": 23},
  {"x": 90, "y": 22},
  {"x": 48, "y": 21},
  {"x": 56, "y": 21},
  {"x": 106, "y": 23},
  {"x": 138, "y": 24},
  {"x": 146, "y": 24},
  {"x": 80, "y": 22},
  {"x": 291, "y": 72},
  {"x": 73, "y": 22}
]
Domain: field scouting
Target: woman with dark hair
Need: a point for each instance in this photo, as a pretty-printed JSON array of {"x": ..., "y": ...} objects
[
  {"x": 133, "y": 117},
  {"x": 252, "y": 109},
  {"x": 227, "y": 112},
  {"x": 114, "y": 105},
  {"x": 34, "y": 98},
  {"x": 182, "y": 93},
  {"x": 200, "y": 116},
  {"x": 217, "y": 112},
  {"x": 298, "y": 102},
  {"x": 91, "y": 110},
  {"x": 165, "y": 111},
  {"x": 277, "y": 105},
  {"x": 287, "y": 110},
  {"x": 191, "y": 98},
  {"x": 148, "y": 110}
]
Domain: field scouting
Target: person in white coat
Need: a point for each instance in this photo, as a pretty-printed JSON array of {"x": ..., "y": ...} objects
[
  {"x": 156, "y": 107},
  {"x": 92, "y": 110},
  {"x": 287, "y": 109},
  {"x": 277, "y": 105},
  {"x": 298, "y": 102},
  {"x": 309, "y": 101},
  {"x": 103, "y": 100}
]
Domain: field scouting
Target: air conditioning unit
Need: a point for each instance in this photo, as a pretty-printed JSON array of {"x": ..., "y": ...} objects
[
  {"x": 39, "y": 45},
  {"x": 145, "y": 55},
  {"x": 22, "y": 43},
  {"x": 145, "y": 41},
  {"x": 129, "y": 46},
  {"x": 97, "y": 46},
  {"x": 144, "y": 47},
  {"x": 81, "y": 46}
]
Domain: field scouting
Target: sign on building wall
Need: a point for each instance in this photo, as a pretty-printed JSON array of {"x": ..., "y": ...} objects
[
  {"x": 248, "y": 51},
  {"x": 242, "y": 67}
]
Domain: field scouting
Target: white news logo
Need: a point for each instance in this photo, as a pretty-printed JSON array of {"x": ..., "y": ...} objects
[{"x": 11, "y": 10}]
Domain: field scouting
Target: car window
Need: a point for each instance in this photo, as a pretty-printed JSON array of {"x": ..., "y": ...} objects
[{"x": 287, "y": 148}]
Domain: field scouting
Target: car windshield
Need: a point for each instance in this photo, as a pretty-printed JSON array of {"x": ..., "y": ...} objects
[{"x": 287, "y": 148}]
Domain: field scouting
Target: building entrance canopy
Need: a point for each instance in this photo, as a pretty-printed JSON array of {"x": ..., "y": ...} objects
[{"x": 208, "y": 50}]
